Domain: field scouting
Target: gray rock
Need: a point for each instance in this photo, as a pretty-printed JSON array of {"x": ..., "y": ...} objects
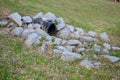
[
  {"x": 16, "y": 18},
  {"x": 71, "y": 28},
  {"x": 30, "y": 26},
  {"x": 40, "y": 32},
  {"x": 107, "y": 46},
  {"x": 50, "y": 16},
  {"x": 61, "y": 23},
  {"x": 87, "y": 63},
  {"x": 17, "y": 31},
  {"x": 104, "y": 37},
  {"x": 81, "y": 50},
  {"x": 92, "y": 34},
  {"x": 27, "y": 32},
  {"x": 70, "y": 48},
  {"x": 111, "y": 58},
  {"x": 56, "y": 51},
  {"x": 58, "y": 41},
  {"x": 70, "y": 56},
  {"x": 37, "y": 26},
  {"x": 87, "y": 39},
  {"x": 27, "y": 19},
  {"x": 95, "y": 63},
  {"x": 64, "y": 33},
  {"x": 114, "y": 48},
  {"x": 39, "y": 15},
  {"x": 3, "y": 23},
  {"x": 64, "y": 42},
  {"x": 37, "y": 42},
  {"x": 105, "y": 51},
  {"x": 31, "y": 39},
  {"x": 61, "y": 48},
  {"x": 11, "y": 24},
  {"x": 96, "y": 48},
  {"x": 48, "y": 38},
  {"x": 43, "y": 48},
  {"x": 74, "y": 43}
]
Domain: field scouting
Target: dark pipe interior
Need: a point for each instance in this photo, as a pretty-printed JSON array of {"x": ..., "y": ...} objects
[{"x": 52, "y": 29}]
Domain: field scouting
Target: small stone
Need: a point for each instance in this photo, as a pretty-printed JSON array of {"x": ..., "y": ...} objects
[
  {"x": 61, "y": 48},
  {"x": 11, "y": 24},
  {"x": 30, "y": 26},
  {"x": 17, "y": 31},
  {"x": 70, "y": 48},
  {"x": 27, "y": 19},
  {"x": 31, "y": 39},
  {"x": 50, "y": 16},
  {"x": 86, "y": 63},
  {"x": 96, "y": 48},
  {"x": 57, "y": 41},
  {"x": 27, "y": 32},
  {"x": 37, "y": 42},
  {"x": 43, "y": 48},
  {"x": 74, "y": 42},
  {"x": 87, "y": 39},
  {"x": 95, "y": 63},
  {"x": 61, "y": 23},
  {"x": 115, "y": 48},
  {"x": 3, "y": 23},
  {"x": 71, "y": 28},
  {"x": 64, "y": 42},
  {"x": 37, "y": 26},
  {"x": 107, "y": 46},
  {"x": 105, "y": 51},
  {"x": 41, "y": 33},
  {"x": 70, "y": 56},
  {"x": 111, "y": 58},
  {"x": 92, "y": 34},
  {"x": 48, "y": 38},
  {"x": 39, "y": 15},
  {"x": 56, "y": 51},
  {"x": 16, "y": 17},
  {"x": 64, "y": 33},
  {"x": 81, "y": 50},
  {"x": 104, "y": 37}
]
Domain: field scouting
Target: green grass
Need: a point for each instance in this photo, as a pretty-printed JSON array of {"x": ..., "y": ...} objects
[{"x": 19, "y": 63}]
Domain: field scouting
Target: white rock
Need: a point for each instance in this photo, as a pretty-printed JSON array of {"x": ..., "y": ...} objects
[
  {"x": 71, "y": 28},
  {"x": 27, "y": 19},
  {"x": 61, "y": 48},
  {"x": 96, "y": 48},
  {"x": 74, "y": 42},
  {"x": 30, "y": 26},
  {"x": 105, "y": 51},
  {"x": 40, "y": 32},
  {"x": 17, "y": 31},
  {"x": 61, "y": 23},
  {"x": 27, "y": 32},
  {"x": 107, "y": 46},
  {"x": 37, "y": 42},
  {"x": 87, "y": 39},
  {"x": 16, "y": 17},
  {"x": 64, "y": 33},
  {"x": 11, "y": 24},
  {"x": 58, "y": 41},
  {"x": 104, "y": 37},
  {"x": 80, "y": 31},
  {"x": 81, "y": 50},
  {"x": 3, "y": 23},
  {"x": 70, "y": 56},
  {"x": 92, "y": 34},
  {"x": 56, "y": 51},
  {"x": 70, "y": 48},
  {"x": 64, "y": 42},
  {"x": 111, "y": 58},
  {"x": 48, "y": 38},
  {"x": 60, "y": 26},
  {"x": 115, "y": 48},
  {"x": 86, "y": 63},
  {"x": 39, "y": 15},
  {"x": 50, "y": 16},
  {"x": 43, "y": 48},
  {"x": 31, "y": 39},
  {"x": 77, "y": 35},
  {"x": 95, "y": 63},
  {"x": 36, "y": 26}
]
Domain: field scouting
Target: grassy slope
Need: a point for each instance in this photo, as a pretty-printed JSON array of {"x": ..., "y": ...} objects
[{"x": 97, "y": 15}]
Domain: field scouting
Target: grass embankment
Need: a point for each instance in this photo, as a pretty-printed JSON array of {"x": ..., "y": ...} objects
[{"x": 18, "y": 63}]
